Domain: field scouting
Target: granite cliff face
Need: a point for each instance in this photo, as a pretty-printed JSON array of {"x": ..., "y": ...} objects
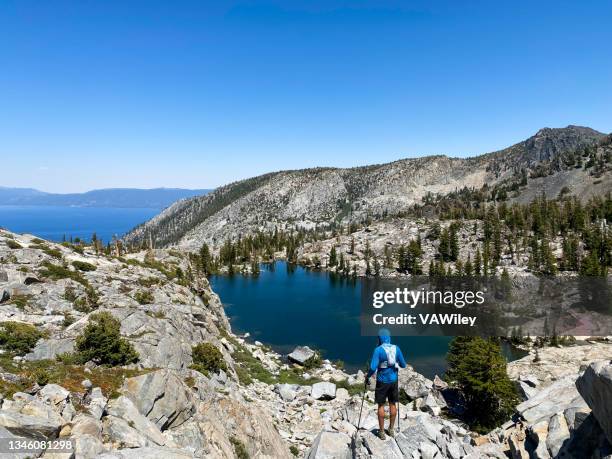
[{"x": 319, "y": 197}]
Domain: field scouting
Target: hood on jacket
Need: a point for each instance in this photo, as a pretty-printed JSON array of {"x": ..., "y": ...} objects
[{"x": 384, "y": 336}]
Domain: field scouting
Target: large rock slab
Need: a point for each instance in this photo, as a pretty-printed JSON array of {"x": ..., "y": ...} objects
[
  {"x": 124, "y": 408},
  {"x": 323, "y": 391},
  {"x": 147, "y": 453},
  {"x": 595, "y": 386},
  {"x": 301, "y": 354},
  {"x": 550, "y": 400},
  {"x": 162, "y": 397},
  {"x": 330, "y": 445},
  {"x": 29, "y": 426}
]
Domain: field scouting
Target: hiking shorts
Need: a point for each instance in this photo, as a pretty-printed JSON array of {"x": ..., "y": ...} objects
[{"x": 386, "y": 391}]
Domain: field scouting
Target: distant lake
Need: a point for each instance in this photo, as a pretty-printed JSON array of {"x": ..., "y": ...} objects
[{"x": 53, "y": 222}]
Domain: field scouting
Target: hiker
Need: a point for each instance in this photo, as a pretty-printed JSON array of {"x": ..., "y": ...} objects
[{"x": 386, "y": 360}]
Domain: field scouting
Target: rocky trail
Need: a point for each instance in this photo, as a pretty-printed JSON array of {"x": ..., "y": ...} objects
[{"x": 262, "y": 404}]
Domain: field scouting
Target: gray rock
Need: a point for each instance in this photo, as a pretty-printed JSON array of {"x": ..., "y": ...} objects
[
  {"x": 558, "y": 434},
  {"x": 86, "y": 446},
  {"x": 50, "y": 348},
  {"x": 147, "y": 453},
  {"x": 29, "y": 426},
  {"x": 287, "y": 392},
  {"x": 97, "y": 403},
  {"x": 122, "y": 434},
  {"x": 54, "y": 394},
  {"x": 162, "y": 397},
  {"x": 526, "y": 390},
  {"x": 125, "y": 409},
  {"x": 378, "y": 448},
  {"x": 301, "y": 354},
  {"x": 549, "y": 400},
  {"x": 84, "y": 425},
  {"x": 330, "y": 445},
  {"x": 439, "y": 384},
  {"x": 595, "y": 386},
  {"x": 86, "y": 384},
  {"x": 516, "y": 442},
  {"x": 414, "y": 384},
  {"x": 323, "y": 391}
]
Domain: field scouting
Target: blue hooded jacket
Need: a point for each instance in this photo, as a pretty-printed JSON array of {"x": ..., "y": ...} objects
[{"x": 385, "y": 375}]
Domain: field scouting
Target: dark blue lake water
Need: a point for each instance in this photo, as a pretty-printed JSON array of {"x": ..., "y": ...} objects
[
  {"x": 285, "y": 307},
  {"x": 53, "y": 223}
]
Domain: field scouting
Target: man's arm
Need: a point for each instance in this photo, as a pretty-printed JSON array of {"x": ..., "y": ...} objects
[
  {"x": 400, "y": 358},
  {"x": 373, "y": 364}
]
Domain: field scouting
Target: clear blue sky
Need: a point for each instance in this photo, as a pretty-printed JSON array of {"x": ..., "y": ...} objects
[{"x": 199, "y": 93}]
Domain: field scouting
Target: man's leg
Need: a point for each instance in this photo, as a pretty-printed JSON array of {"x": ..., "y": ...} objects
[
  {"x": 381, "y": 417},
  {"x": 393, "y": 415}
]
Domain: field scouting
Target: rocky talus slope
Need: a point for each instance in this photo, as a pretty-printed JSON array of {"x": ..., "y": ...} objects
[
  {"x": 264, "y": 405},
  {"x": 315, "y": 198}
]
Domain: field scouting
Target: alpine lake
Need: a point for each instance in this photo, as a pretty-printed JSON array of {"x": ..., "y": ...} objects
[{"x": 287, "y": 306}]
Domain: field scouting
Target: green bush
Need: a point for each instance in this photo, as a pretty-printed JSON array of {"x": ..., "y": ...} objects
[
  {"x": 101, "y": 342},
  {"x": 41, "y": 376},
  {"x": 18, "y": 337},
  {"x": 56, "y": 272},
  {"x": 313, "y": 362},
  {"x": 239, "y": 448},
  {"x": 13, "y": 244},
  {"x": 21, "y": 301},
  {"x": 144, "y": 297},
  {"x": 207, "y": 358},
  {"x": 83, "y": 266},
  {"x": 55, "y": 253}
]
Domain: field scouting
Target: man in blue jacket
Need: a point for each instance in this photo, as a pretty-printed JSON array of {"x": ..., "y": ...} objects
[{"x": 386, "y": 361}]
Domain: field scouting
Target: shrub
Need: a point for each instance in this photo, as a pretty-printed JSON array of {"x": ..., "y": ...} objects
[
  {"x": 148, "y": 281},
  {"x": 68, "y": 320},
  {"x": 55, "y": 253},
  {"x": 41, "y": 376},
  {"x": 56, "y": 272},
  {"x": 239, "y": 448},
  {"x": 70, "y": 294},
  {"x": 18, "y": 337},
  {"x": 207, "y": 358},
  {"x": 83, "y": 266},
  {"x": 144, "y": 297},
  {"x": 294, "y": 450},
  {"x": 101, "y": 342},
  {"x": 313, "y": 362},
  {"x": 21, "y": 301},
  {"x": 13, "y": 244}
]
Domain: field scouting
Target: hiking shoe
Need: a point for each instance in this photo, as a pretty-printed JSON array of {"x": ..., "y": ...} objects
[
  {"x": 381, "y": 435},
  {"x": 391, "y": 433}
]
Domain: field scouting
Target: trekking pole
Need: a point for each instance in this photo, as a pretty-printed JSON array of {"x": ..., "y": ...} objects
[
  {"x": 361, "y": 409},
  {"x": 398, "y": 415}
]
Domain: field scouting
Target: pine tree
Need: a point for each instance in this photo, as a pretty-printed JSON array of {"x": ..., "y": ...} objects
[
  {"x": 477, "y": 367},
  {"x": 468, "y": 268},
  {"x": 478, "y": 262},
  {"x": 333, "y": 258},
  {"x": 453, "y": 242}
]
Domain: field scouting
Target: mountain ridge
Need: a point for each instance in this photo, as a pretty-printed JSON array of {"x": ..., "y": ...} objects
[
  {"x": 159, "y": 198},
  {"x": 307, "y": 198}
]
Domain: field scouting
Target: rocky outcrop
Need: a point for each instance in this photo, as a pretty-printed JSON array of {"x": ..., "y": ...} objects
[
  {"x": 595, "y": 386},
  {"x": 556, "y": 419},
  {"x": 168, "y": 411}
]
